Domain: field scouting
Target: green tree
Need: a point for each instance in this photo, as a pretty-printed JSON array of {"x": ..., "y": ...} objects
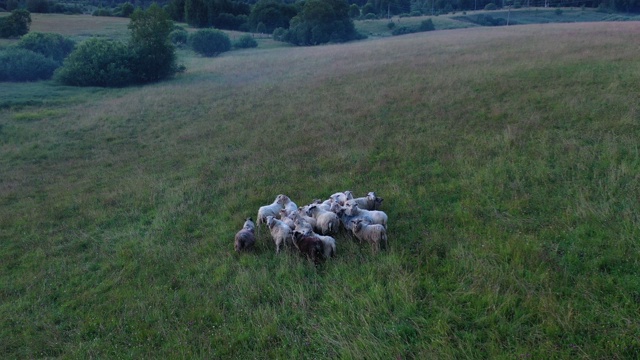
[
  {"x": 16, "y": 24},
  {"x": 354, "y": 11},
  {"x": 154, "y": 55},
  {"x": 272, "y": 14},
  {"x": 195, "y": 13},
  {"x": 322, "y": 21}
]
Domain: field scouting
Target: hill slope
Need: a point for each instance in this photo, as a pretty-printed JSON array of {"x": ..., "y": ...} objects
[{"x": 508, "y": 164}]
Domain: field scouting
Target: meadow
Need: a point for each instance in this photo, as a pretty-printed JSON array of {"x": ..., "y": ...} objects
[{"x": 508, "y": 163}]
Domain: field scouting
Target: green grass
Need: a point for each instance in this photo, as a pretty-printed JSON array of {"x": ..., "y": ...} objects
[
  {"x": 508, "y": 165},
  {"x": 461, "y": 20}
]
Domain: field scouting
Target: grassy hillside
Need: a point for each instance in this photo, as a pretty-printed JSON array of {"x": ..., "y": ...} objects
[{"x": 508, "y": 163}]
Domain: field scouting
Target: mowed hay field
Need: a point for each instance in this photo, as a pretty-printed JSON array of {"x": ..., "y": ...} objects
[{"x": 507, "y": 158}]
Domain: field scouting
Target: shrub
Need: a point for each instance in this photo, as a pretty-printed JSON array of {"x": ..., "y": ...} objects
[
  {"x": 370, "y": 16},
  {"x": 402, "y": 31},
  {"x": 558, "y": 11},
  {"x": 179, "y": 36},
  {"x": 279, "y": 34},
  {"x": 97, "y": 62},
  {"x": 416, "y": 13},
  {"x": 16, "y": 24},
  {"x": 391, "y": 25},
  {"x": 23, "y": 65},
  {"x": 427, "y": 25},
  {"x": 54, "y": 46},
  {"x": 209, "y": 42},
  {"x": 245, "y": 42},
  {"x": 322, "y": 21},
  {"x": 491, "y": 6}
]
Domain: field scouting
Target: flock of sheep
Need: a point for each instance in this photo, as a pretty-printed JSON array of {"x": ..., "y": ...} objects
[{"x": 309, "y": 228}]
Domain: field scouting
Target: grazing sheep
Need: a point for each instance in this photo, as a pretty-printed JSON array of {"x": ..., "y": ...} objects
[
  {"x": 280, "y": 232},
  {"x": 369, "y": 202},
  {"x": 326, "y": 221},
  {"x": 245, "y": 238},
  {"x": 372, "y": 216},
  {"x": 270, "y": 210},
  {"x": 287, "y": 204},
  {"x": 371, "y": 233},
  {"x": 309, "y": 246}
]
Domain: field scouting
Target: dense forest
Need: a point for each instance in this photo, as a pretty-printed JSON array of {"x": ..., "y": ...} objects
[{"x": 248, "y": 14}]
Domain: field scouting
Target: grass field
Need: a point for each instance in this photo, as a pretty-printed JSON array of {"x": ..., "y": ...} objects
[{"x": 508, "y": 163}]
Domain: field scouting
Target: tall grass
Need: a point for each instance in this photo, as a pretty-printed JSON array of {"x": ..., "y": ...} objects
[{"x": 507, "y": 159}]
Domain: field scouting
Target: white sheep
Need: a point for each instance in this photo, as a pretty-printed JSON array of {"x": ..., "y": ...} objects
[
  {"x": 270, "y": 210},
  {"x": 287, "y": 218},
  {"x": 341, "y": 197},
  {"x": 328, "y": 245},
  {"x": 369, "y": 202},
  {"x": 371, "y": 233},
  {"x": 287, "y": 203},
  {"x": 372, "y": 216},
  {"x": 327, "y": 222},
  {"x": 280, "y": 232},
  {"x": 302, "y": 215}
]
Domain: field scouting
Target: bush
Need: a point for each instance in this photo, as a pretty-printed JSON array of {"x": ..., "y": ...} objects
[
  {"x": 23, "y": 65},
  {"x": 54, "y": 46},
  {"x": 209, "y": 42},
  {"x": 97, "y": 62},
  {"x": 491, "y": 6},
  {"x": 391, "y": 25},
  {"x": 322, "y": 21},
  {"x": 403, "y": 30},
  {"x": 245, "y": 42},
  {"x": 16, "y": 24},
  {"x": 427, "y": 25},
  {"x": 279, "y": 34},
  {"x": 370, "y": 16},
  {"x": 179, "y": 36},
  {"x": 558, "y": 11}
]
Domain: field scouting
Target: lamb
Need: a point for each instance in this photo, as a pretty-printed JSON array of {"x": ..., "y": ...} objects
[
  {"x": 245, "y": 238},
  {"x": 280, "y": 232},
  {"x": 287, "y": 203},
  {"x": 371, "y": 233},
  {"x": 369, "y": 202},
  {"x": 309, "y": 246},
  {"x": 270, "y": 210},
  {"x": 326, "y": 221},
  {"x": 372, "y": 216}
]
